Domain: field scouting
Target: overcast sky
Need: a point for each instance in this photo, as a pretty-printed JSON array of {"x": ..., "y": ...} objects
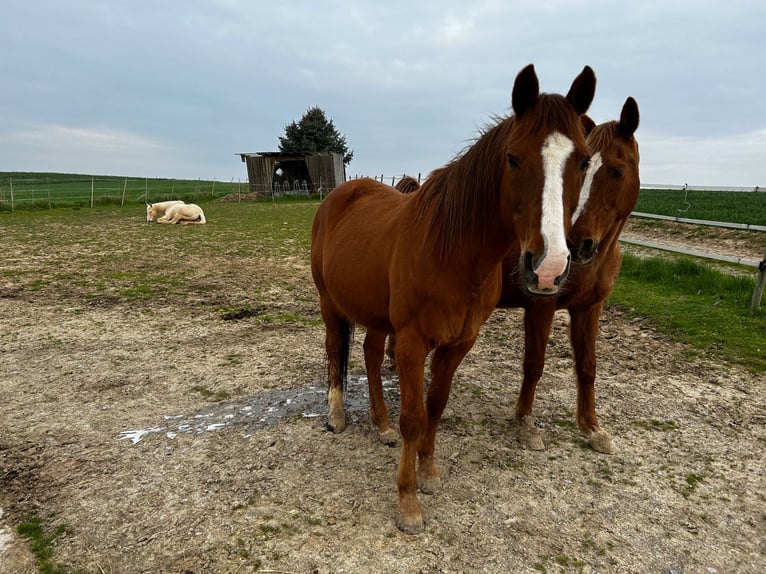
[{"x": 177, "y": 89}]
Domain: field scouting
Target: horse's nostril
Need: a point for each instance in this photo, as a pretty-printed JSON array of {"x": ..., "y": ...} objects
[{"x": 528, "y": 256}]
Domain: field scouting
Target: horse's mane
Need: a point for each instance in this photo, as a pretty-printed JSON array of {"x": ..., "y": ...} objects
[
  {"x": 459, "y": 198},
  {"x": 602, "y": 135},
  {"x": 407, "y": 184}
]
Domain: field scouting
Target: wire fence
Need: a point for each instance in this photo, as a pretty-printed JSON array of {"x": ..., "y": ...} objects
[
  {"x": 392, "y": 179},
  {"x": 46, "y": 191}
]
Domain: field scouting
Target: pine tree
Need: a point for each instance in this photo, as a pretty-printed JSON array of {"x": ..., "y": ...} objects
[{"x": 314, "y": 133}]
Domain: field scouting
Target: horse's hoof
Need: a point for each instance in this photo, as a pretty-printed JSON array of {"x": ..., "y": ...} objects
[
  {"x": 529, "y": 436},
  {"x": 336, "y": 421},
  {"x": 388, "y": 437},
  {"x": 429, "y": 484},
  {"x": 413, "y": 526},
  {"x": 601, "y": 441},
  {"x": 410, "y": 523}
]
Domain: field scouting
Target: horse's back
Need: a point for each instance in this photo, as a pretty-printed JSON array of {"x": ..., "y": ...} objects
[{"x": 356, "y": 209}]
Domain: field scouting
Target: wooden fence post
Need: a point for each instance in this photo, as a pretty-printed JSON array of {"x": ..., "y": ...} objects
[
  {"x": 759, "y": 284},
  {"x": 92, "y": 185}
]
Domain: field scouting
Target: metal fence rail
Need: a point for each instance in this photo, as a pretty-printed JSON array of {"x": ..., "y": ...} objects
[
  {"x": 746, "y": 226},
  {"x": 693, "y": 252}
]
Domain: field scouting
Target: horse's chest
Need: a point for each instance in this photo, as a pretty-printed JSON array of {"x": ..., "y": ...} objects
[{"x": 456, "y": 319}]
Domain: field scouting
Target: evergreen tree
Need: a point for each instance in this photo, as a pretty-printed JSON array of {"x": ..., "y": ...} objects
[{"x": 314, "y": 133}]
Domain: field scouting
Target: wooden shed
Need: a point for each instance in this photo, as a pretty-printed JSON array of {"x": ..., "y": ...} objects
[{"x": 320, "y": 172}]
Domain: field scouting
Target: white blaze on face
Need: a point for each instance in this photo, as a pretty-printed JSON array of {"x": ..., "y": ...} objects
[
  {"x": 556, "y": 151},
  {"x": 593, "y": 167}
]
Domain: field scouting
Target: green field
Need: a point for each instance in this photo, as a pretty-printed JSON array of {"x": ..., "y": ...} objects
[
  {"x": 727, "y": 206},
  {"x": 25, "y": 190}
]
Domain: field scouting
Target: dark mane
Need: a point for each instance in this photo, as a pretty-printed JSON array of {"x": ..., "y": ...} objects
[{"x": 461, "y": 196}]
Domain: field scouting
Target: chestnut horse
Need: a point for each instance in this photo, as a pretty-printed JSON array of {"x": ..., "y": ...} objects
[
  {"x": 608, "y": 195},
  {"x": 427, "y": 265},
  {"x": 603, "y": 209}
]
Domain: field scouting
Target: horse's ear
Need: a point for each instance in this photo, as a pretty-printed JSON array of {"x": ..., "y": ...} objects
[
  {"x": 148, "y": 205},
  {"x": 628, "y": 119},
  {"x": 526, "y": 90},
  {"x": 587, "y": 123},
  {"x": 582, "y": 91}
]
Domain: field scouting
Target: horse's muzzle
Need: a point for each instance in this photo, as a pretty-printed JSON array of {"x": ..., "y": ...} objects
[
  {"x": 538, "y": 284},
  {"x": 585, "y": 251}
]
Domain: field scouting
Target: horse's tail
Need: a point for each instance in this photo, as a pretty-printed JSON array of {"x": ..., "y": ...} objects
[
  {"x": 202, "y": 217},
  {"x": 347, "y": 336}
]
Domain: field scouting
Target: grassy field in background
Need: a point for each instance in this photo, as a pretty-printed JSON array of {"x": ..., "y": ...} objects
[
  {"x": 695, "y": 303},
  {"x": 25, "y": 190},
  {"x": 687, "y": 299},
  {"x": 48, "y": 190},
  {"x": 727, "y": 206}
]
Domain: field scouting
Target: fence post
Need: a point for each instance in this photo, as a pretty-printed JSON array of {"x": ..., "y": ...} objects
[
  {"x": 91, "y": 191},
  {"x": 124, "y": 189},
  {"x": 759, "y": 284},
  {"x": 11, "y": 180}
]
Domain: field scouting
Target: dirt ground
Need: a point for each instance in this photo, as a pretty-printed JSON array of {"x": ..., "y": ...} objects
[{"x": 145, "y": 431}]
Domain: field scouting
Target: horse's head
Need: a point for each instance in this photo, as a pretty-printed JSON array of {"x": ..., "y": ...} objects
[
  {"x": 151, "y": 213},
  {"x": 547, "y": 158},
  {"x": 611, "y": 185}
]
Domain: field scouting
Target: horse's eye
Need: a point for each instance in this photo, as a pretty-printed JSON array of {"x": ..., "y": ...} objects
[
  {"x": 513, "y": 163},
  {"x": 585, "y": 163},
  {"x": 618, "y": 173}
]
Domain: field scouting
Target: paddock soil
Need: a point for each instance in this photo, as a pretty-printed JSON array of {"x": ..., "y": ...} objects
[{"x": 212, "y": 488}]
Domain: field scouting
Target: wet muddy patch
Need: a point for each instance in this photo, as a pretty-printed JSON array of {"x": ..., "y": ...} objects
[{"x": 266, "y": 409}]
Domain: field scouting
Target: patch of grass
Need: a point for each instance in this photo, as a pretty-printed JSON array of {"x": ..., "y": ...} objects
[
  {"x": 692, "y": 482},
  {"x": 232, "y": 359},
  {"x": 41, "y": 542},
  {"x": 238, "y": 312},
  {"x": 696, "y": 304},
  {"x": 657, "y": 425},
  {"x": 212, "y": 396}
]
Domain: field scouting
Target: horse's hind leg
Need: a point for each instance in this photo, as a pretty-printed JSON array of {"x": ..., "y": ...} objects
[
  {"x": 537, "y": 328},
  {"x": 584, "y": 330},
  {"x": 338, "y": 333},
  {"x": 374, "y": 342}
]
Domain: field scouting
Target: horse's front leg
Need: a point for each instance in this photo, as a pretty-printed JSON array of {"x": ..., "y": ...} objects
[
  {"x": 584, "y": 330},
  {"x": 412, "y": 350},
  {"x": 374, "y": 343},
  {"x": 538, "y": 319},
  {"x": 443, "y": 366}
]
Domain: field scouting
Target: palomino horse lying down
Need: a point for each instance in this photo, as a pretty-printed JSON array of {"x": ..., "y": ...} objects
[
  {"x": 184, "y": 213},
  {"x": 155, "y": 210},
  {"x": 427, "y": 265}
]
